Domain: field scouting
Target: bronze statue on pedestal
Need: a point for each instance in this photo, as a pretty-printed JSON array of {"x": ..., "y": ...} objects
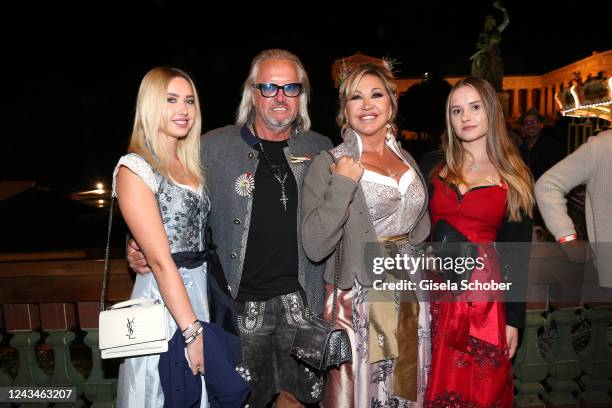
[{"x": 487, "y": 62}]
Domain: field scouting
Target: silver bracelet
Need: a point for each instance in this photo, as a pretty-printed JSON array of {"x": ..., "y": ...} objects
[
  {"x": 193, "y": 336},
  {"x": 191, "y": 327}
]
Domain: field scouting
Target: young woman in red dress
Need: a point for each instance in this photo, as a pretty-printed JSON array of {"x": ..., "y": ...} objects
[{"x": 485, "y": 191}]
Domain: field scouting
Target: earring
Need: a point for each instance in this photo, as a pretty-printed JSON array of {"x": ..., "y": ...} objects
[{"x": 389, "y": 131}]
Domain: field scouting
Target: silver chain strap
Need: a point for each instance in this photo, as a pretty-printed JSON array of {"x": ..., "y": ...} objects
[
  {"x": 336, "y": 284},
  {"x": 332, "y": 323},
  {"x": 336, "y": 275},
  {"x": 106, "y": 255}
]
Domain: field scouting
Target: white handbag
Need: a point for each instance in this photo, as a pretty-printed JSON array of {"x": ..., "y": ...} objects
[{"x": 134, "y": 327}]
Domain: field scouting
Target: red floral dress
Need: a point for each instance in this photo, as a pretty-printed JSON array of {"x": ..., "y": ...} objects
[{"x": 470, "y": 365}]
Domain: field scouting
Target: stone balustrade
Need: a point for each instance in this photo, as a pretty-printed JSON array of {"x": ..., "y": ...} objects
[{"x": 58, "y": 301}]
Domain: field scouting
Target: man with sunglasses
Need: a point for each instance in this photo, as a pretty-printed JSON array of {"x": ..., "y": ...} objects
[
  {"x": 254, "y": 172},
  {"x": 539, "y": 150}
]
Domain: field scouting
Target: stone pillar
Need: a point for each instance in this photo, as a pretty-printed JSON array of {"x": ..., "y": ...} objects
[
  {"x": 563, "y": 363},
  {"x": 529, "y": 99},
  {"x": 529, "y": 365},
  {"x": 596, "y": 360},
  {"x": 516, "y": 106},
  {"x": 21, "y": 321},
  {"x": 543, "y": 101},
  {"x": 552, "y": 105},
  {"x": 5, "y": 381},
  {"x": 98, "y": 389},
  {"x": 58, "y": 319}
]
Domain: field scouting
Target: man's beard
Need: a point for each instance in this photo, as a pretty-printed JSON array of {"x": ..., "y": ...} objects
[{"x": 270, "y": 121}]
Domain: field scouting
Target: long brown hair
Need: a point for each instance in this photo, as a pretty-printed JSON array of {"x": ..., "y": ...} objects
[{"x": 501, "y": 151}]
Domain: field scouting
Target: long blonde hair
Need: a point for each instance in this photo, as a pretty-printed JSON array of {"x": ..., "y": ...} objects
[
  {"x": 246, "y": 109},
  {"x": 501, "y": 151},
  {"x": 146, "y": 139}
]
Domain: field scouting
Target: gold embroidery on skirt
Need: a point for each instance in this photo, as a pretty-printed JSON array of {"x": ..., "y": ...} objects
[{"x": 392, "y": 336}]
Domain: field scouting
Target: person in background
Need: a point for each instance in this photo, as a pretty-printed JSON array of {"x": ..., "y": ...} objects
[
  {"x": 590, "y": 164},
  {"x": 539, "y": 150}
]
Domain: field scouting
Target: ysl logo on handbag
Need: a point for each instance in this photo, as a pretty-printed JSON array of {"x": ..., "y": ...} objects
[{"x": 130, "y": 327}]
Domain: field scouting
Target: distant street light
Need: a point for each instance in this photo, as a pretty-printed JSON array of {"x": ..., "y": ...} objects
[{"x": 99, "y": 188}]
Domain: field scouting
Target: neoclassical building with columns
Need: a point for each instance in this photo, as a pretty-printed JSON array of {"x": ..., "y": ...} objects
[{"x": 524, "y": 91}]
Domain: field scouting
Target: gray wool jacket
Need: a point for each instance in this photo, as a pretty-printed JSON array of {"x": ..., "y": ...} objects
[
  {"x": 335, "y": 209},
  {"x": 227, "y": 154}
]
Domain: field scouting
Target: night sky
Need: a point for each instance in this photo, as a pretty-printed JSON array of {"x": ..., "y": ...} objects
[{"x": 72, "y": 81}]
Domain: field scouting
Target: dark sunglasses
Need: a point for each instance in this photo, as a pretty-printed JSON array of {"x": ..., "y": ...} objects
[{"x": 269, "y": 90}]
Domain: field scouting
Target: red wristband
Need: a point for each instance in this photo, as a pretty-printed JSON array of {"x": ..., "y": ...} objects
[{"x": 567, "y": 238}]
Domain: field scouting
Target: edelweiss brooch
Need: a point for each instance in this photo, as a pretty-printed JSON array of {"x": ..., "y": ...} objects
[{"x": 244, "y": 184}]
